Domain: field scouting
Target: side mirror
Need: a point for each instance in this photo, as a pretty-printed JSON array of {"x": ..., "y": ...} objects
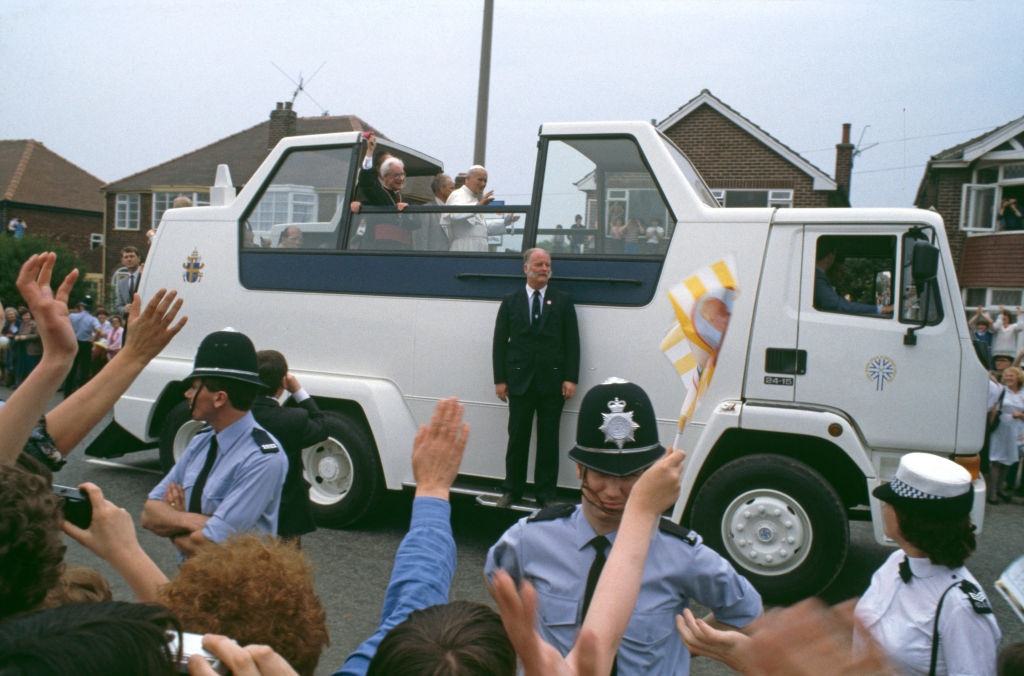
[{"x": 925, "y": 263}]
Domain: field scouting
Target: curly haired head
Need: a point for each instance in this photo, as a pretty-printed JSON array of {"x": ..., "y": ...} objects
[
  {"x": 78, "y": 584},
  {"x": 31, "y": 551},
  {"x": 254, "y": 590}
]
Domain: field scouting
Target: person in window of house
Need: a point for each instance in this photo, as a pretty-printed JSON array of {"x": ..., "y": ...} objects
[
  {"x": 825, "y": 295},
  {"x": 1009, "y": 214}
]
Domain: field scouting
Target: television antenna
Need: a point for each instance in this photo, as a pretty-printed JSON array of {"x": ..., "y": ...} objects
[
  {"x": 300, "y": 86},
  {"x": 858, "y": 149}
]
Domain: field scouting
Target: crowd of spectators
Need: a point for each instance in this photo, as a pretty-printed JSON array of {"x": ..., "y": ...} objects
[{"x": 253, "y": 598}]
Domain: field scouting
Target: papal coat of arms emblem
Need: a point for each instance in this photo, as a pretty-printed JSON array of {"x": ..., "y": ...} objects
[{"x": 193, "y": 267}]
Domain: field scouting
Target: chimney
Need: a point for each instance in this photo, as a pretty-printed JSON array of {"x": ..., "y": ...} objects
[
  {"x": 844, "y": 163},
  {"x": 282, "y": 123}
]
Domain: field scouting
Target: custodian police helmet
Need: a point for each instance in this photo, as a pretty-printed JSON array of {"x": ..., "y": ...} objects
[
  {"x": 229, "y": 355},
  {"x": 616, "y": 432}
]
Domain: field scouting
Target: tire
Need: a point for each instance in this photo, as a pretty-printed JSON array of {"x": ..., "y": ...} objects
[
  {"x": 177, "y": 430},
  {"x": 798, "y": 530},
  {"x": 342, "y": 472}
]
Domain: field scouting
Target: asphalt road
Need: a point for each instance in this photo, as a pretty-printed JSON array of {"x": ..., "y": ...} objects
[{"x": 352, "y": 566}]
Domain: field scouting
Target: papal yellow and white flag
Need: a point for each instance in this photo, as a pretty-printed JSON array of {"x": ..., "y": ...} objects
[{"x": 702, "y": 304}]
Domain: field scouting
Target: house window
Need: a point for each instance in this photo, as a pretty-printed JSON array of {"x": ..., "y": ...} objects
[
  {"x": 126, "y": 214},
  {"x": 162, "y": 201},
  {"x": 985, "y": 202},
  {"x": 753, "y": 198},
  {"x": 975, "y": 297},
  {"x": 1007, "y": 297},
  {"x": 992, "y": 298}
]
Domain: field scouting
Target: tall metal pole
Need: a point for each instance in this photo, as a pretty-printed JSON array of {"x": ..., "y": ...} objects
[{"x": 480, "y": 146}]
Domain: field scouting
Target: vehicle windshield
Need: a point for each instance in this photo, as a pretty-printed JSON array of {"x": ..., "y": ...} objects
[{"x": 695, "y": 179}]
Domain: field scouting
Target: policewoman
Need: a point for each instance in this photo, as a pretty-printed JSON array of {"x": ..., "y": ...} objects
[
  {"x": 562, "y": 548},
  {"x": 923, "y": 606},
  {"x": 229, "y": 478}
]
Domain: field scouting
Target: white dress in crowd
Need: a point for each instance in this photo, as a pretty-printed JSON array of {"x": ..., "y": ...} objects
[
  {"x": 469, "y": 231},
  {"x": 1004, "y": 338},
  {"x": 1004, "y": 442},
  {"x": 900, "y": 616}
]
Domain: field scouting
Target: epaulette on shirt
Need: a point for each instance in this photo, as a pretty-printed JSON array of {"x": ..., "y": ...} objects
[
  {"x": 264, "y": 440},
  {"x": 976, "y": 597},
  {"x": 553, "y": 512},
  {"x": 672, "y": 528}
]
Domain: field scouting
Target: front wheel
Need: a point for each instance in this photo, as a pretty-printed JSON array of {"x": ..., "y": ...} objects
[
  {"x": 342, "y": 473},
  {"x": 778, "y": 521}
]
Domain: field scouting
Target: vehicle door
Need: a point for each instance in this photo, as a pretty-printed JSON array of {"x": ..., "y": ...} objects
[{"x": 858, "y": 300}]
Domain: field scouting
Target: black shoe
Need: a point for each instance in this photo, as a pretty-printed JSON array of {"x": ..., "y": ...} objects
[{"x": 505, "y": 501}]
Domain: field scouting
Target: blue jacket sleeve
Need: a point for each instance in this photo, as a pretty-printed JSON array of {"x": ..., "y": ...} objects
[
  {"x": 421, "y": 577},
  {"x": 826, "y": 298}
]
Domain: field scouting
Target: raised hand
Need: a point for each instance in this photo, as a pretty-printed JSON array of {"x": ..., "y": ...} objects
[
  {"x": 111, "y": 533},
  {"x": 518, "y": 610},
  {"x": 49, "y": 310},
  {"x": 657, "y": 489},
  {"x": 251, "y": 660},
  {"x": 438, "y": 448},
  {"x": 150, "y": 330}
]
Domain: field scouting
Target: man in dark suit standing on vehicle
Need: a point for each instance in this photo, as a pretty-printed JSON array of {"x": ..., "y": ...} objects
[
  {"x": 296, "y": 427},
  {"x": 536, "y": 359}
]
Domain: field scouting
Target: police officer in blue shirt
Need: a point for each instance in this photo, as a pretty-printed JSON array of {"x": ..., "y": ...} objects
[
  {"x": 230, "y": 476},
  {"x": 561, "y": 549}
]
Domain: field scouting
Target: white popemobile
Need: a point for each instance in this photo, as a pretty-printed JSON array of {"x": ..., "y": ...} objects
[{"x": 808, "y": 410}]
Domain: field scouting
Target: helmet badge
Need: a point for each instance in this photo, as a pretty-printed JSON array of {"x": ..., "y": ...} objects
[{"x": 618, "y": 426}]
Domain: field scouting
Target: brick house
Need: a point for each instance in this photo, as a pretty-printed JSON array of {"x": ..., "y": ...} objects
[
  {"x": 745, "y": 166},
  {"x": 135, "y": 204},
  {"x": 967, "y": 185},
  {"x": 57, "y": 200}
]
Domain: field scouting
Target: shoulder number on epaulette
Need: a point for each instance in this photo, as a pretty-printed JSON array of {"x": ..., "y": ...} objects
[
  {"x": 264, "y": 441},
  {"x": 674, "y": 529},
  {"x": 976, "y": 597},
  {"x": 553, "y": 512}
]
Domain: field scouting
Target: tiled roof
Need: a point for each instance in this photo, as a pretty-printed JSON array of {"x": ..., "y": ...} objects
[
  {"x": 31, "y": 173},
  {"x": 242, "y": 152},
  {"x": 957, "y": 151}
]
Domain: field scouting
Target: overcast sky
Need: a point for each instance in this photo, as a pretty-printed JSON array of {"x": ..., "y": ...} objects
[{"x": 117, "y": 86}]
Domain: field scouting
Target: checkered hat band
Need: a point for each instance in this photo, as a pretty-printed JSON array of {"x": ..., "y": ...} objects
[{"x": 905, "y": 490}]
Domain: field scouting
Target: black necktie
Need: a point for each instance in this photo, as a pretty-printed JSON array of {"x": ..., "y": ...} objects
[
  {"x": 195, "y": 500},
  {"x": 905, "y": 573},
  {"x": 133, "y": 285},
  {"x": 600, "y": 544},
  {"x": 535, "y": 314}
]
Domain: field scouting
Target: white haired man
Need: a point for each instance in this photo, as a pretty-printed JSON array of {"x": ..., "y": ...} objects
[
  {"x": 469, "y": 231},
  {"x": 384, "y": 231}
]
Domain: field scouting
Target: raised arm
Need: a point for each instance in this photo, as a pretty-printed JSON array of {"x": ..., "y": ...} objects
[
  {"x": 425, "y": 561},
  {"x": 151, "y": 331},
  {"x": 21, "y": 412}
]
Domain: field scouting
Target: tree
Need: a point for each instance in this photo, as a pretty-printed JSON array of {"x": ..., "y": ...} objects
[{"x": 14, "y": 252}]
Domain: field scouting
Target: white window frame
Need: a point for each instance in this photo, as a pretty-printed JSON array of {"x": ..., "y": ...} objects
[
  {"x": 989, "y": 304},
  {"x": 124, "y": 205},
  {"x": 287, "y": 192},
  {"x": 775, "y": 197},
  {"x": 199, "y": 199},
  {"x": 967, "y": 206}
]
